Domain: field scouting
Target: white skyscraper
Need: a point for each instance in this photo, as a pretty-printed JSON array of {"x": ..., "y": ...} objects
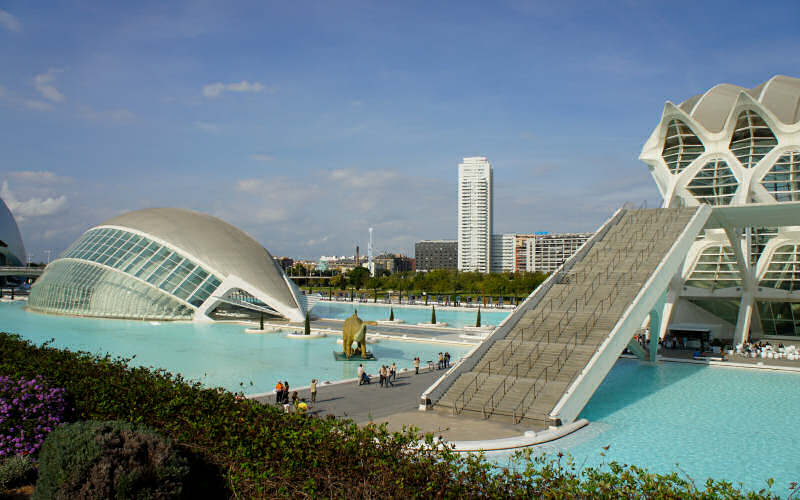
[{"x": 475, "y": 214}]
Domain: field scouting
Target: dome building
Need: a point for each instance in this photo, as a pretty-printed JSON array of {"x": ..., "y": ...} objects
[
  {"x": 12, "y": 251},
  {"x": 167, "y": 264},
  {"x": 733, "y": 146}
]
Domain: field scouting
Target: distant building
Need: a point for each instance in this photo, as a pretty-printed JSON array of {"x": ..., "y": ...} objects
[
  {"x": 475, "y": 214},
  {"x": 502, "y": 253},
  {"x": 436, "y": 254},
  {"x": 521, "y": 251},
  {"x": 393, "y": 263},
  {"x": 284, "y": 262},
  {"x": 546, "y": 252}
]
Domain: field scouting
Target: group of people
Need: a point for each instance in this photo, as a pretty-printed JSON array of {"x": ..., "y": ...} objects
[
  {"x": 767, "y": 350},
  {"x": 388, "y": 374},
  {"x": 294, "y": 402},
  {"x": 444, "y": 361}
]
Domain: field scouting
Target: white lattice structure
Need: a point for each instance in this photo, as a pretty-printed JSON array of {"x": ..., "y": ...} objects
[{"x": 733, "y": 146}]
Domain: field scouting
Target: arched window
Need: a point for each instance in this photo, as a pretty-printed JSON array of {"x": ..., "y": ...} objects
[
  {"x": 783, "y": 179},
  {"x": 752, "y": 139},
  {"x": 681, "y": 146},
  {"x": 714, "y": 184}
]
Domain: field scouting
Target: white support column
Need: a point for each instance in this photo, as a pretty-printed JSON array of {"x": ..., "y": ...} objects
[{"x": 742, "y": 332}]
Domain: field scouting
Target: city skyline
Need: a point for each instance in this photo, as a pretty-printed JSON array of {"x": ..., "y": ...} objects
[{"x": 304, "y": 126}]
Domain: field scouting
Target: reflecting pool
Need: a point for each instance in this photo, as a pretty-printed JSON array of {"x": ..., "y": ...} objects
[
  {"x": 411, "y": 315},
  {"x": 726, "y": 423},
  {"x": 216, "y": 354}
]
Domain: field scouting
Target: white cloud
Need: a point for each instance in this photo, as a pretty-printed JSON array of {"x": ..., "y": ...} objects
[
  {"x": 207, "y": 127},
  {"x": 39, "y": 177},
  {"x": 249, "y": 185},
  {"x": 44, "y": 84},
  {"x": 216, "y": 89},
  {"x": 261, "y": 157},
  {"x": 363, "y": 179},
  {"x": 118, "y": 115},
  {"x": 9, "y": 22},
  {"x": 37, "y": 104},
  {"x": 34, "y": 207}
]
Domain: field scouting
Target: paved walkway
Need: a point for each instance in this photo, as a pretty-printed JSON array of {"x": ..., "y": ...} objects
[{"x": 398, "y": 406}]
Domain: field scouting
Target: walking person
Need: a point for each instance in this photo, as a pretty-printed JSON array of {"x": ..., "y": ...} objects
[
  {"x": 416, "y": 365},
  {"x": 447, "y": 360},
  {"x": 278, "y": 393},
  {"x": 285, "y": 391},
  {"x": 441, "y": 362},
  {"x": 313, "y": 388},
  {"x": 382, "y": 373},
  {"x": 360, "y": 374},
  {"x": 393, "y": 373}
]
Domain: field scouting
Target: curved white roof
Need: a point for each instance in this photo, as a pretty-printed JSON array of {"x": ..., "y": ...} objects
[
  {"x": 215, "y": 243},
  {"x": 9, "y": 235},
  {"x": 780, "y": 95}
]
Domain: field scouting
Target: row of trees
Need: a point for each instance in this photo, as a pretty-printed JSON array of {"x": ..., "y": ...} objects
[{"x": 443, "y": 281}]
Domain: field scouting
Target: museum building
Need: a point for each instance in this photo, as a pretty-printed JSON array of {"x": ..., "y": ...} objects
[
  {"x": 167, "y": 264},
  {"x": 733, "y": 146}
]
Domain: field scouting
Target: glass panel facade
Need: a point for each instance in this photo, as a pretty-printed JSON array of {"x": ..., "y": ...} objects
[
  {"x": 780, "y": 318},
  {"x": 727, "y": 309},
  {"x": 784, "y": 269},
  {"x": 168, "y": 277},
  {"x": 716, "y": 268},
  {"x": 681, "y": 146},
  {"x": 714, "y": 184},
  {"x": 752, "y": 139},
  {"x": 759, "y": 237},
  {"x": 783, "y": 179},
  {"x": 205, "y": 290},
  {"x": 86, "y": 289}
]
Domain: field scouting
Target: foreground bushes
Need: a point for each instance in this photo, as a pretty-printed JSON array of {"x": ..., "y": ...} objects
[
  {"x": 16, "y": 471},
  {"x": 29, "y": 410},
  {"x": 109, "y": 460},
  {"x": 248, "y": 450}
]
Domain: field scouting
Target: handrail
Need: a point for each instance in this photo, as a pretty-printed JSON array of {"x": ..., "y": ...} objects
[
  {"x": 463, "y": 401},
  {"x": 533, "y": 389},
  {"x": 491, "y": 398}
]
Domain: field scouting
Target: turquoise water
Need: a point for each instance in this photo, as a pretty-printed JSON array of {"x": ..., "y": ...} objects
[
  {"x": 726, "y": 423},
  {"x": 411, "y": 315},
  {"x": 218, "y": 355}
]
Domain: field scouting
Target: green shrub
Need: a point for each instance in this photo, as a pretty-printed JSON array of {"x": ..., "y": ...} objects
[
  {"x": 16, "y": 471},
  {"x": 248, "y": 450},
  {"x": 91, "y": 459}
]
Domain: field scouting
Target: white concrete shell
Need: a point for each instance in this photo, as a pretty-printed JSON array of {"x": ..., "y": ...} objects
[
  {"x": 187, "y": 262},
  {"x": 733, "y": 146},
  {"x": 12, "y": 251}
]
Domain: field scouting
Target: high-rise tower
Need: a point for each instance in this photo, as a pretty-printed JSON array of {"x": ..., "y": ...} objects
[{"x": 474, "y": 214}]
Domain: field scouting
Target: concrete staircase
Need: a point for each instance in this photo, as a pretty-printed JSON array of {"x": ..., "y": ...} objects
[{"x": 522, "y": 376}]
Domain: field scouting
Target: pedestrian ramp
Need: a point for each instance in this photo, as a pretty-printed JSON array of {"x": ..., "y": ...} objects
[{"x": 544, "y": 362}]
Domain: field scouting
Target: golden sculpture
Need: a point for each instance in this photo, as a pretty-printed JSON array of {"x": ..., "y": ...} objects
[{"x": 354, "y": 330}]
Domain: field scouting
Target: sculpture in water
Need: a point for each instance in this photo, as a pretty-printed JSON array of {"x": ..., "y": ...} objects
[{"x": 354, "y": 330}]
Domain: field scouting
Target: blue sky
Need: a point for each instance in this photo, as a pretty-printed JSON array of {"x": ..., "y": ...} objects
[{"x": 306, "y": 124}]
